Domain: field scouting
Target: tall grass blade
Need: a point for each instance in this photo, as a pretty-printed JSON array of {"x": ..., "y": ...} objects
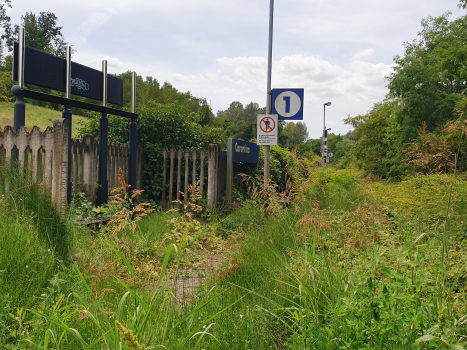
[{"x": 125, "y": 260}]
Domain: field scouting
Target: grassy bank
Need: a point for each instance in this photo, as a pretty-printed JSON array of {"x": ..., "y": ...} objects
[
  {"x": 350, "y": 264},
  {"x": 36, "y": 116}
]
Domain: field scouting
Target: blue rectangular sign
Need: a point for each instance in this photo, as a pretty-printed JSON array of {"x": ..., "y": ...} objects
[
  {"x": 245, "y": 152},
  {"x": 288, "y": 103}
]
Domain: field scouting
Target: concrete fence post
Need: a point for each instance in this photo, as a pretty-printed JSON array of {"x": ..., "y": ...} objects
[
  {"x": 60, "y": 165},
  {"x": 187, "y": 171},
  {"x": 213, "y": 159},
  {"x": 165, "y": 154},
  {"x": 171, "y": 176},
  {"x": 202, "y": 155}
]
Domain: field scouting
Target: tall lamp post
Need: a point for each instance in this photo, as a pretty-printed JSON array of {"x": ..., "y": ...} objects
[{"x": 324, "y": 144}]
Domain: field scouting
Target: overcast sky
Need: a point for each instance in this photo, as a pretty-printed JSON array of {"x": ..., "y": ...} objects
[{"x": 337, "y": 50}]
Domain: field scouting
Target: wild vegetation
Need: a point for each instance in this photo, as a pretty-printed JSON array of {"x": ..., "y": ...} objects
[
  {"x": 333, "y": 259},
  {"x": 347, "y": 263}
]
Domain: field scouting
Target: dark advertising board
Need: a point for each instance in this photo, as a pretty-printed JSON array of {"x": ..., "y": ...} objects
[
  {"x": 245, "y": 152},
  {"x": 49, "y": 71}
]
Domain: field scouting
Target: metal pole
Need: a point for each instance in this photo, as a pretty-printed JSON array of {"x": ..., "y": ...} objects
[
  {"x": 67, "y": 114},
  {"x": 268, "y": 93},
  {"x": 102, "y": 193},
  {"x": 323, "y": 159},
  {"x": 133, "y": 137},
  {"x": 133, "y": 92},
  {"x": 324, "y": 145},
  {"x": 19, "y": 117}
]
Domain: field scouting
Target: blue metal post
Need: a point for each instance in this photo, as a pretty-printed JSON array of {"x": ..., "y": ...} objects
[
  {"x": 102, "y": 194},
  {"x": 103, "y": 184},
  {"x": 19, "y": 116}
]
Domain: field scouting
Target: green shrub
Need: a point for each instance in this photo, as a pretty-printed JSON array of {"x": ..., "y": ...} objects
[{"x": 159, "y": 126}]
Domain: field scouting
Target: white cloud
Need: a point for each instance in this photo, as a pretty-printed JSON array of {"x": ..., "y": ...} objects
[
  {"x": 93, "y": 22},
  {"x": 364, "y": 55},
  {"x": 115, "y": 65},
  {"x": 320, "y": 78}
]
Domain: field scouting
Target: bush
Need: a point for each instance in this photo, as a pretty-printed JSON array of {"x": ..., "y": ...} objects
[{"x": 159, "y": 126}]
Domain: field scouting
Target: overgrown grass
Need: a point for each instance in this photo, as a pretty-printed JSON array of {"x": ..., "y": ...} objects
[
  {"x": 35, "y": 115},
  {"x": 33, "y": 248},
  {"x": 353, "y": 264}
]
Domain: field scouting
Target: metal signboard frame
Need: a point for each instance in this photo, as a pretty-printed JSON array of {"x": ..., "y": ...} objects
[{"x": 35, "y": 67}]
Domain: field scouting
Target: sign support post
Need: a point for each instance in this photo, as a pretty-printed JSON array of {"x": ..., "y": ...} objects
[
  {"x": 54, "y": 73},
  {"x": 268, "y": 97},
  {"x": 67, "y": 114},
  {"x": 102, "y": 194},
  {"x": 20, "y": 107}
]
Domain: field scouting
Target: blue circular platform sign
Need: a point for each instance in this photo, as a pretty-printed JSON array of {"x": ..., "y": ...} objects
[{"x": 288, "y": 103}]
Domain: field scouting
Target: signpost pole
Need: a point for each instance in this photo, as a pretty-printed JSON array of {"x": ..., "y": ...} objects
[
  {"x": 268, "y": 96},
  {"x": 19, "y": 117},
  {"x": 67, "y": 114},
  {"x": 102, "y": 194},
  {"x": 133, "y": 136}
]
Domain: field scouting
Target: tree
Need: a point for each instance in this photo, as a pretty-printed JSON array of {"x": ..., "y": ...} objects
[
  {"x": 251, "y": 112},
  {"x": 4, "y": 21},
  {"x": 234, "y": 113},
  {"x": 432, "y": 76},
  {"x": 42, "y": 33},
  {"x": 3, "y": 16},
  {"x": 299, "y": 133},
  {"x": 378, "y": 149}
]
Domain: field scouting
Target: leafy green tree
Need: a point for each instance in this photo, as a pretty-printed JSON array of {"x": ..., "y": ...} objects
[
  {"x": 431, "y": 77},
  {"x": 234, "y": 113},
  {"x": 285, "y": 133},
  {"x": 4, "y": 22},
  {"x": 251, "y": 111},
  {"x": 238, "y": 121},
  {"x": 378, "y": 149},
  {"x": 299, "y": 133},
  {"x": 42, "y": 33}
]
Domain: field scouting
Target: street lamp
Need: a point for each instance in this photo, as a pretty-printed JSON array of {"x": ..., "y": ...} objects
[{"x": 324, "y": 145}]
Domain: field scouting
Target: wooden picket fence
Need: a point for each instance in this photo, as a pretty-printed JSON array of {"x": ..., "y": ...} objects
[
  {"x": 184, "y": 167},
  {"x": 44, "y": 155}
]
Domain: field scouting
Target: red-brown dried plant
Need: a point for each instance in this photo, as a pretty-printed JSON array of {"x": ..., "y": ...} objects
[
  {"x": 430, "y": 153},
  {"x": 362, "y": 223},
  {"x": 130, "y": 213},
  {"x": 273, "y": 201}
]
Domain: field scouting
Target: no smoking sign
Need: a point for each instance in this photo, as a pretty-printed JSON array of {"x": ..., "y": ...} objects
[{"x": 267, "y": 129}]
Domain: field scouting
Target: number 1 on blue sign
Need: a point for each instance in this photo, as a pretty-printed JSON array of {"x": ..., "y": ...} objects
[{"x": 287, "y": 104}]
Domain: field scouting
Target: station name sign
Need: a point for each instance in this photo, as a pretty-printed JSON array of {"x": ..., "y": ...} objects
[
  {"x": 245, "y": 152},
  {"x": 49, "y": 71}
]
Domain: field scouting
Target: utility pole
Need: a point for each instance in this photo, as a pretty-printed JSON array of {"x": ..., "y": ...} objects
[{"x": 268, "y": 95}]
